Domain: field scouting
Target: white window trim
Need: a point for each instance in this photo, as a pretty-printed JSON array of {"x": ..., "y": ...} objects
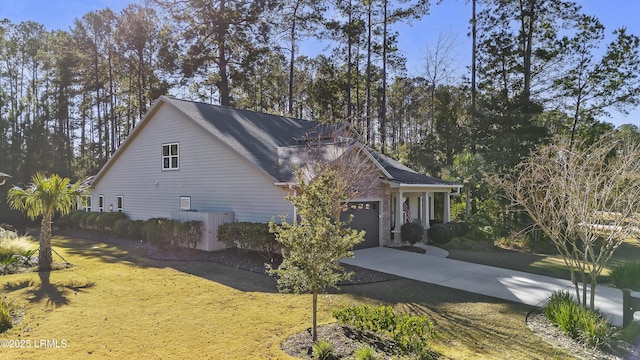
[
  {"x": 101, "y": 203},
  {"x": 185, "y": 200},
  {"x": 88, "y": 202},
  {"x": 120, "y": 203},
  {"x": 177, "y": 156}
]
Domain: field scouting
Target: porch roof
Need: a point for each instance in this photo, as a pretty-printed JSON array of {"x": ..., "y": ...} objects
[{"x": 404, "y": 176}]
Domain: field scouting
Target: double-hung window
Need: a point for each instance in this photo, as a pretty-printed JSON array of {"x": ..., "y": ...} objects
[
  {"x": 170, "y": 156},
  {"x": 101, "y": 203},
  {"x": 120, "y": 203},
  {"x": 87, "y": 203}
]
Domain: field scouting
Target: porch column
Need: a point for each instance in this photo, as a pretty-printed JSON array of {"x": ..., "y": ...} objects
[
  {"x": 425, "y": 210},
  {"x": 432, "y": 214},
  {"x": 399, "y": 217},
  {"x": 446, "y": 217}
]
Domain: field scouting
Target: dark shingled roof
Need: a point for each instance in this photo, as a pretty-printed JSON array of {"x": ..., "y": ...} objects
[
  {"x": 271, "y": 142},
  {"x": 404, "y": 175},
  {"x": 255, "y": 136}
]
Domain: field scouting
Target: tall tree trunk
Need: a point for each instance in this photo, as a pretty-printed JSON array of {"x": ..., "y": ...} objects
[
  {"x": 527, "y": 28},
  {"x": 292, "y": 55},
  {"x": 223, "y": 62},
  {"x": 45, "y": 258},
  {"x": 368, "y": 82},
  {"x": 383, "y": 106},
  {"x": 314, "y": 331},
  {"x": 474, "y": 36},
  {"x": 349, "y": 41}
]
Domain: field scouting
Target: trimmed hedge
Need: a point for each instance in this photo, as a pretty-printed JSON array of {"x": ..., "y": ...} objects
[
  {"x": 626, "y": 275},
  {"x": 411, "y": 232},
  {"x": 134, "y": 229},
  {"x": 120, "y": 228},
  {"x": 443, "y": 233},
  {"x": 107, "y": 220},
  {"x": 157, "y": 231},
  {"x": 167, "y": 232},
  {"x": 250, "y": 236}
]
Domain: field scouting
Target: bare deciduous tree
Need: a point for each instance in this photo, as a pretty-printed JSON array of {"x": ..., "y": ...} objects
[{"x": 586, "y": 200}]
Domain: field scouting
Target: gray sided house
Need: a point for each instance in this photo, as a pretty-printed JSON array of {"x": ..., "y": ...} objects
[{"x": 193, "y": 161}]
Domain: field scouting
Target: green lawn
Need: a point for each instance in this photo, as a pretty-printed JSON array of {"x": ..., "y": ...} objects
[
  {"x": 116, "y": 303},
  {"x": 543, "y": 264}
]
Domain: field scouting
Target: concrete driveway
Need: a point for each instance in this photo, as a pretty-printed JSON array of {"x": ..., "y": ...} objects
[{"x": 501, "y": 283}]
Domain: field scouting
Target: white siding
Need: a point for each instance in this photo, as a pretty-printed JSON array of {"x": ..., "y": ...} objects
[{"x": 216, "y": 178}]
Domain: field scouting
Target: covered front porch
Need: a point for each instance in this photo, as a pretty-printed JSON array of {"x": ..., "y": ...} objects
[{"x": 416, "y": 202}]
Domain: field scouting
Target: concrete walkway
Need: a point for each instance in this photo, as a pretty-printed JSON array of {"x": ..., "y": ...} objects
[{"x": 501, "y": 283}]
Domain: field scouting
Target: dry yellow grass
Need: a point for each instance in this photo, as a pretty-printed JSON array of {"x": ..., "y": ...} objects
[
  {"x": 18, "y": 244},
  {"x": 118, "y": 304}
]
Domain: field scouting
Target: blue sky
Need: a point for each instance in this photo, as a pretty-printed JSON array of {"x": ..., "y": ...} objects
[{"x": 450, "y": 18}]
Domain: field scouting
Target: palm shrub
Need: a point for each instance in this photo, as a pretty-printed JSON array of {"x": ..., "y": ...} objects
[
  {"x": 45, "y": 198},
  {"x": 7, "y": 263}
]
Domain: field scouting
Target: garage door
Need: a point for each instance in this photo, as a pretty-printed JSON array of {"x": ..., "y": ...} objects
[{"x": 365, "y": 217}]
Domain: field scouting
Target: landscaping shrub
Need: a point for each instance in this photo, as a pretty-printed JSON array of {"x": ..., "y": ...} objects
[
  {"x": 482, "y": 232},
  {"x": 458, "y": 228},
  {"x": 365, "y": 353},
  {"x": 411, "y": 333},
  {"x": 366, "y": 318},
  {"x": 250, "y": 236},
  {"x": 76, "y": 218},
  {"x": 187, "y": 233},
  {"x": 82, "y": 221},
  {"x": 6, "y": 318},
  {"x": 158, "y": 231},
  {"x": 411, "y": 232},
  {"x": 7, "y": 263},
  {"x": 107, "y": 220},
  {"x": 64, "y": 222},
  {"x": 626, "y": 275},
  {"x": 577, "y": 321},
  {"x": 120, "y": 228},
  {"x": 439, "y": 233},
  {"x": 323, "y": 350},
  {"x": 134, "y": 229},
  {"x": 90, "y": 220},
  {"x": 630, "y": 334}
]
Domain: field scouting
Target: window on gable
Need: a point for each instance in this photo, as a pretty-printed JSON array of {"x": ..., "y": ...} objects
[
  {"x": 120, "y": 203},
  {"x": 170, "y": 156},
  {"x": 101, "y": 203}
]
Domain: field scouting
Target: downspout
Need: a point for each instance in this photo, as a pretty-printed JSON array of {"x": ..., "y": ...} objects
[{"x": 295, "y": 211}]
